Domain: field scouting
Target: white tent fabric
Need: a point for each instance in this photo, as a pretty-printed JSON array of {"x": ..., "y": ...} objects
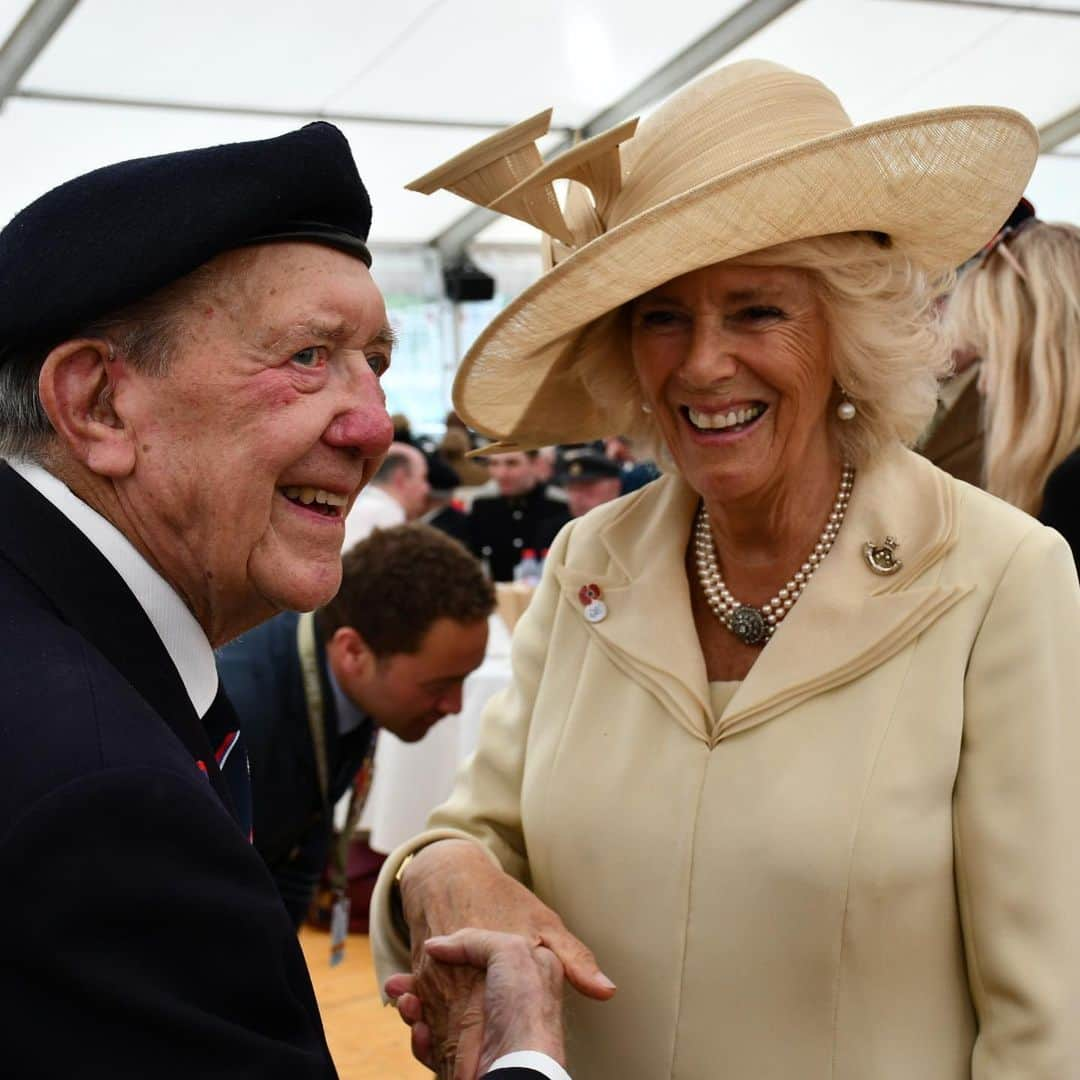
[{"x": 425, "y": 78}]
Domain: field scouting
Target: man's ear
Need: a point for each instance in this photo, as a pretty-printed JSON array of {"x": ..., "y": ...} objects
[
  {"x": 75, "y": 387},
  {"x": 349, "y": 654}
]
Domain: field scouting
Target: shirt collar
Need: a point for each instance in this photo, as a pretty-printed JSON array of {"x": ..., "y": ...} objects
[
  {"x": 183, "y": 638},
  {"x": 349, "y": 716}
]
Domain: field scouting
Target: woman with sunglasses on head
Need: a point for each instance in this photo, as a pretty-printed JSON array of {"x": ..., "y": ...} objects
[
  {"x": 791, "y": 743},
  {"x": 1017, "y": 307}
]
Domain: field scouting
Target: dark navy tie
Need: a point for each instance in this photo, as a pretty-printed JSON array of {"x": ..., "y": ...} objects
[{"x": 223, "y": 727}]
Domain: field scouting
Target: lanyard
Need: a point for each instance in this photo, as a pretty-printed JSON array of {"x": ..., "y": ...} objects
[{"x": 309, "y": 668}]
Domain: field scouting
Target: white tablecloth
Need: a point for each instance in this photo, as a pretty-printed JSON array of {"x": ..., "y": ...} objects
[{"x": 411, "y": 779}]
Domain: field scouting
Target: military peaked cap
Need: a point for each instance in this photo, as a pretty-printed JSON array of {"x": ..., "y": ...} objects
[
  {"x": 586, "y": 461},
  {"x": 115, "y": 235}
]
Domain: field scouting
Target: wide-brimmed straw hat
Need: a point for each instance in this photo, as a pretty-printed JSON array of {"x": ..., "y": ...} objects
[{"x": 748, "y": 157}]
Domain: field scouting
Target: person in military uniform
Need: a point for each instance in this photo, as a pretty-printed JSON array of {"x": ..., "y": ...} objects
[
  {"x": 589, "y": 477},
  {"x": 522, "y": 517}
]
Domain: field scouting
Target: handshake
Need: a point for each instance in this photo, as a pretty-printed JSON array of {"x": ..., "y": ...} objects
[
  {"x": 476, "y": 995},
  {"x": 515, "y": 1005}
]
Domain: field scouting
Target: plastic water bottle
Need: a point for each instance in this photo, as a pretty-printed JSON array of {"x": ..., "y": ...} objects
[{"x": 527, "y": 571}]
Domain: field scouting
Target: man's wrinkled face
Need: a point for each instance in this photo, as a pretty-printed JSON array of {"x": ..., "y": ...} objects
[
  {"x": 407, "y": 693},
  {"x": 254, "y": 444}
]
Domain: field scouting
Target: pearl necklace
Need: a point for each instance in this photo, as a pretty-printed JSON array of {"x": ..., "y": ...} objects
[{"x": 753, "y": 625}]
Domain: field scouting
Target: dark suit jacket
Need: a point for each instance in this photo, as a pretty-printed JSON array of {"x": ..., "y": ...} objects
[
  {"x": 453, "y": 522},
  {"x": 956, "y": 443},
  {"x": 1061, "y": 502},
  {"x": 502, "y": 527},
  {"x": 145, "y": 937},
  {"x": 292, "y": 826}
]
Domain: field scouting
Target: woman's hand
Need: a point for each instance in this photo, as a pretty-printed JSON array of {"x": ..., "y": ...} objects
[{"x": 450, "y": 885}]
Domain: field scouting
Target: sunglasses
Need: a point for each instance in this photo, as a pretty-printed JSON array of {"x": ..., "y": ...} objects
[{"x": 1020, "y": 219}]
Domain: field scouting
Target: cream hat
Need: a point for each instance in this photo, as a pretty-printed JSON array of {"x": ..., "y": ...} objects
[{"x": 750, "y": 156}]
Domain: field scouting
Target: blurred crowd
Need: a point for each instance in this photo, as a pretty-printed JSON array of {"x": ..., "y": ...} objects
[{"x": 505, "y": 508}]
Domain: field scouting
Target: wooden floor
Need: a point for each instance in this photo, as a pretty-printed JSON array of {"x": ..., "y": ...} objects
[{"x": 367, "y": 1040}]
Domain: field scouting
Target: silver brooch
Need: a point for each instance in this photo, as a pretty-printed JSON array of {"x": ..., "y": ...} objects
[{"x": 881, "y": 558}]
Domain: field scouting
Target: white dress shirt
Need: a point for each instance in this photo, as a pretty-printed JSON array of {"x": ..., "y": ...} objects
[
  {"x": 532, "y": 1059},
  {"x": 183, "y": 638},
  {"x": 373, "y": 509}
]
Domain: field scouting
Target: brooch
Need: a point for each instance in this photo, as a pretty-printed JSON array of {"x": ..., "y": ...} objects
[
  {"x": 595, "y": 608},
  {"x": 881, "y": 558}
]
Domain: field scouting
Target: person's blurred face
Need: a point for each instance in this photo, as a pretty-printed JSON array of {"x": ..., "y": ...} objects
[
  {"x": 411, "y": 486},
  {"x": 513, "y": 473},
  {"x": 618, "y": 449},
  {"x": 254, "y": 444},
  {"x": 407, "y": 693},
  {"x": 543, "y": 465},
  {"x": 734, "y": 362},
  {"x": 583, "y": 495}
]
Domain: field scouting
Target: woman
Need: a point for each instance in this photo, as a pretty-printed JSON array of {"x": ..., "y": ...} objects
[
  {"x": 789, "y": 741},
  {"x": 1018, "y": 308}
]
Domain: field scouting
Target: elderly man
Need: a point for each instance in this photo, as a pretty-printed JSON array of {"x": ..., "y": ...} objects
[
  {"x": 190, "y": 346},
  {"x": 398, "y": 493}
]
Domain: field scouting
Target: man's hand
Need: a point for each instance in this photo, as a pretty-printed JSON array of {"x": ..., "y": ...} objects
[
  {"x": 519, "y": 1007},
  {"x": 448, "y": 886}
]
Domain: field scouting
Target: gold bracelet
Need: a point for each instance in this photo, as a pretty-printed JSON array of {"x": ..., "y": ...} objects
[
  {"x": 400, "y": 872},
  {"x": 397, "y": 904}
]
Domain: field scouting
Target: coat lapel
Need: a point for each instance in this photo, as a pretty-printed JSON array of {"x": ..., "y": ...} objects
[
  {"x": 649, "y": 631},
  {"x": 94, "y": 600},
  {"x": 847, "y": 621}
]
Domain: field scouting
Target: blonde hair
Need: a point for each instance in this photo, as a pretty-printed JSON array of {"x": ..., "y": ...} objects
[
  {"x": 1026, "y": 328},
  {"x": 886, "y": 346}
]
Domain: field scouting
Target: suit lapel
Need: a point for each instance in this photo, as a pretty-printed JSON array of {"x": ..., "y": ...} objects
[
  {"x": 847, "y": 621},
  {"x": 94, "y": 600}
]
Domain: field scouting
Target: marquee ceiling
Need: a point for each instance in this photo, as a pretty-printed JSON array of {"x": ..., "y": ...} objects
[{"x": 87, "y": 82}]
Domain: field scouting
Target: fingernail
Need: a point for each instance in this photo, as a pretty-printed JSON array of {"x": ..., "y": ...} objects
[
  {"x": 605, "y": 982},
  {"x": 440, "y": 940}
]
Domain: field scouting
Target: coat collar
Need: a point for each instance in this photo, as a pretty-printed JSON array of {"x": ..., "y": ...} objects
[
  {"x": 92, "y": 598},
  {"x": 847, "y": 621}
]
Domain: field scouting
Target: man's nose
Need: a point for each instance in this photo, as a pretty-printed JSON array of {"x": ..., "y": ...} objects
[
  {"x": 364, "y": 425},
  {"x": 450, "y": 702}
]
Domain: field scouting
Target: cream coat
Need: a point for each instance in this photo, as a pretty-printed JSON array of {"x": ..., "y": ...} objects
[{"x": 868, "y": 868}]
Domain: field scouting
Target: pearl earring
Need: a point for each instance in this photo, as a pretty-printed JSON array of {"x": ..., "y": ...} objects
[
  {"x": 846, "y": 409},
  {"x": 646, "y": 408}
]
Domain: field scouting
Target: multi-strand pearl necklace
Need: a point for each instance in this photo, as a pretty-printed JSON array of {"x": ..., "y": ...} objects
[{"x": 755, "y": 625}]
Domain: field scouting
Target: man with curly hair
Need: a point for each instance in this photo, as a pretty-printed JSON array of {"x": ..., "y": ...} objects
[{"x": 391, "y": 650}]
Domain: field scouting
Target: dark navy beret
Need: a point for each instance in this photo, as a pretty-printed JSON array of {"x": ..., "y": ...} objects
[{"x": 115, "y": 235}]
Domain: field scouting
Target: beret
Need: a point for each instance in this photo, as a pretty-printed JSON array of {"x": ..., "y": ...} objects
[
  {"x": 117, "y": 234},
  {"x": 442, "y": 476}
]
